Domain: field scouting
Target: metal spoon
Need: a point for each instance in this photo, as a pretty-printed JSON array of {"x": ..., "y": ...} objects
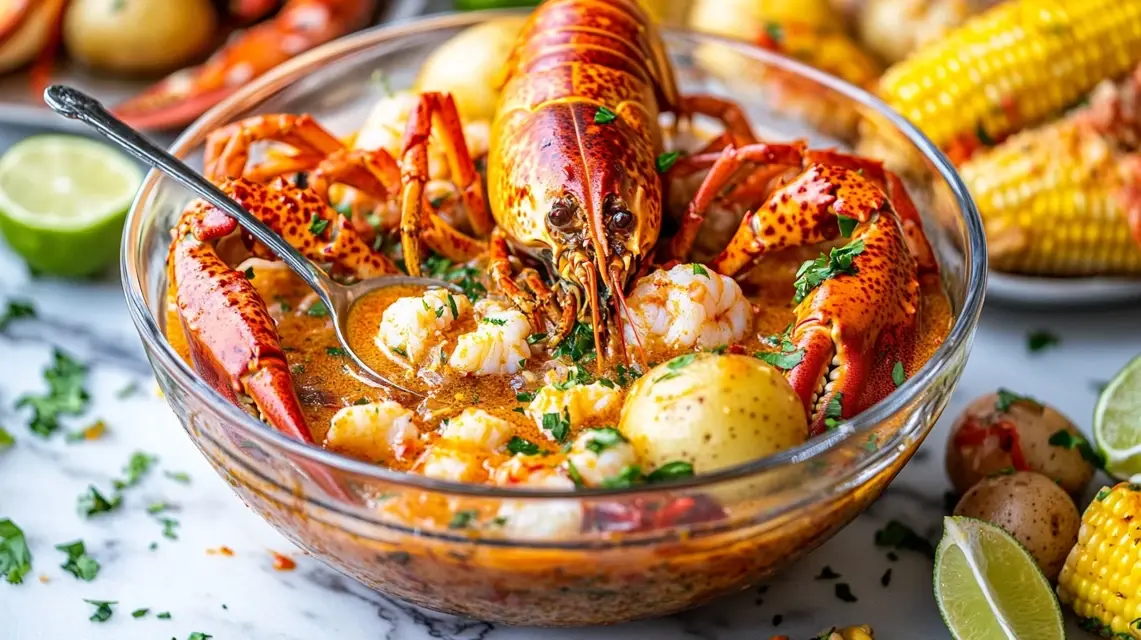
[{"x": 339, "y": 299}]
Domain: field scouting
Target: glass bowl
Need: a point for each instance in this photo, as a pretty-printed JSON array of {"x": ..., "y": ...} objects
[{"x": 648, "y": 552}]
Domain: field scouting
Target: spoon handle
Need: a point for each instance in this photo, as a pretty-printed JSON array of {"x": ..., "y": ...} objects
[{"x": 76, "y": 105}]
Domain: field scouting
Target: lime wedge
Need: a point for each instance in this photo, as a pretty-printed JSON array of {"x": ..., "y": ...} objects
[
  {"x": 1117, "y": 423},
  {"x": 62, "y": 202},
  {"x": 988, "y": 587}
]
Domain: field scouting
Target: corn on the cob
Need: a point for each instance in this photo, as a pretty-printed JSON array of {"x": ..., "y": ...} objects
[
  {"x": 1102, "y": 577},
  {"x": 1057, "y": 200},
  {"x": 1012, "y": 66}
]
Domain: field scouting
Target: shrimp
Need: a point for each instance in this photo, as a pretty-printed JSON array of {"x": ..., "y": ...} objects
[
  {"x": 546, "y": 520},
  {"x": 411, "y": 326},
  {"x": 578, "y": 404},
  {"x": 467, "y": 442},
  {"x": 479, "y": 429},
  {"x": 497, "y": 346},
  {"x": 375, "y": 431},
  {"x": 601, "y": 455},
  {"x": 688, "y": 306}
]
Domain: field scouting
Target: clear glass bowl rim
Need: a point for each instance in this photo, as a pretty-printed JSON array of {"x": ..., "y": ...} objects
[{"x": 148, "y": 326}]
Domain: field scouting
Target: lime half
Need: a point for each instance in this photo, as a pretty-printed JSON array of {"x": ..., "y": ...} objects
[
  {"x": 62, "y": 202},
  {"x": 988, "y": 587},
  {"x": 1117, "y": 422}
]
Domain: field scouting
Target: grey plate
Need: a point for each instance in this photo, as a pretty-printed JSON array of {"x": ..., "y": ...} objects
[
  {"x": 19, "y": 107},
  {"x": 1060, "y": 292}
]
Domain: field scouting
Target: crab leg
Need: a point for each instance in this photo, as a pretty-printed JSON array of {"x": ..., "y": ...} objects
[{"x": 417, "y": 216}]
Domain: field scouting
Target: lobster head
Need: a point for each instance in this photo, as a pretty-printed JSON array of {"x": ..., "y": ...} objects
[{"x": 577, "y": 194}]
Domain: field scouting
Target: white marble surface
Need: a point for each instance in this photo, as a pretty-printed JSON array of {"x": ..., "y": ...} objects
[{"x": 243, "y": 597}]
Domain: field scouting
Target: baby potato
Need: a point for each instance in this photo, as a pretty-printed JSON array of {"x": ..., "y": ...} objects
[
  {"x": 467, "y": 66},
  {"x": 1033, "y": 509},
  {"x": 138, "y": 36},
  {"x": 712, "y": 411},
  {"x": 997, "y": 428}
]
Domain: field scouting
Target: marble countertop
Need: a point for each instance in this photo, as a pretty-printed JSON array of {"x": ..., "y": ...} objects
[{"x": 243, "y": 597}]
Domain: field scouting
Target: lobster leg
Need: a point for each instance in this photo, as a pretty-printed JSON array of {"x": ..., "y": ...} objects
[
  {"x": 415, "y": 211},
  {"x": 728, "y": 112},
  {"x": 373, "y": 174},
  {"x": 727, "y": 164},
  {"x": 227, "y": 152},
  {"x": 499, "y": 265}
]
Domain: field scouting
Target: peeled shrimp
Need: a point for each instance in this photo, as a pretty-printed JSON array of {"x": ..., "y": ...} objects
[
  {"x": 598, "y": 455},
  {"x": 688, "y": 306},
  {"x": 374, "y": 431},
  {"x": 579, "y": 403},
  {"x": 498, "y": 345},
  {"x": 479, "y": 429},
  {"x": 546, "y": 520},
  {"x": 410, "y": 326}
]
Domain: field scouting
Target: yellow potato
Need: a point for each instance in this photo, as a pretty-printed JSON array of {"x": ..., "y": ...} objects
[
  {"x": 23, "y": 45},
  {"x": 138, "y": 36},
  {"x": 713, "y": 411},
  {"x": 468, "y": 66},
  {"x": 1033, "y": 509}
]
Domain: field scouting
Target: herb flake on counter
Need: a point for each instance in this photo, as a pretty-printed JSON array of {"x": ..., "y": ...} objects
[
  {"x": 16, "y": 309},
  {"x": 897, "y": 535},
  {"x": 165, "y": 615},
  {"x": 66, "y": 395},
  {"x": 885, "y": 579},
  {"x": 777, "y": 619},
  {"x": 92, "y": 502},
  {"x": 130, "y": 389},
  {"x": 1066, "y": 439},
  {"x": 157, "y": 507},
  {"x": 844, "y": 592},
  {"x": 6, "y": 439},
  {"x": 138, "y": 466},
  {"x": 827, "y": 573},
  {"x": 139, "y": 613},
  {"x": 673, "y": 470},
  {"x": 517, "y": 445},
  {"x": 169, "y": 526},
  {"x": 198, "y": 635},
  {"x": 15, "y": 558},
  {"x": 1041, "y": 339},
  {"x": 462, "y": 519},
  {"x": 838, "y": 262},
  {"x": 78, "y": 564},
  {"x": 1007, "y": 398},
  {"x": 103, "y": 609},
  {"x": 604, "y": 116}
]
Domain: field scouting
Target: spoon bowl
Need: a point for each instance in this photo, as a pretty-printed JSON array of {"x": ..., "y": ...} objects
[{"x": 339, "y": 299}]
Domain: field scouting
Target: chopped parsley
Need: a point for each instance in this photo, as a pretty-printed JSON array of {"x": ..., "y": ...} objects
[
  {"x": 983, "y": 137},
  {"x": 335, "y": 351},
  {"x": 317, "y": 310},
  {"x": 813, "y": 272},
  {"x": 103, "y": 609},
  {"x": 604, "y": 116},
  {"x": 139, "y": 613},
  {"x": 499, "y": 322},
  {"x": 128, "y": 390},
  {"x": 788, "y": 357},
  {"x": 774, "y": 31},
  {"x": 16, "y": 310},
  {"x": 165, "y": 615},
  {"x": 535, "y": 338},
  {"x": 249, "y": 272},
  {"x": 524, "y": 396},
  {"x": 178, "y": 476},
  {"x": 897, "y": 535},
  {"x": 66, "y": 395},
  {"x": 6, "y": 439},
  {"x": 844, "y": 592},
  {"x": 578, "y": 345},
  {"x": 441, "y": 268},
  {"x": 719, "y": 350},
  {"x": 1040, "y": 339},
  {"x": 885, "y": 579},
  {"x": 1067, "y": 439},
  {"x": 898, "y": 375},
  {"x": 400, "y": 352},
  {"x": 157, "y": 507},
  {"x": 699, "y": 270},
  {"x": 15, "y": 559},
  {"x": 666, "y": 161},
  {"x": 834, "y": 410},
  {"x": 169, "y": 526},
  {"x": 453, "y": 307},
  {"x": 827, "y": 574},
  {"x": 625, "y": 375},
  {"x": 78, "y": 564},
  {"x": 847, "y": 225},
  {"x": 92, "y": 502},
  {"x": 1007, "y": 398},
  {"x": 138, "y": 465},
  {"x": 517, "y": 445},
  {"x": 575, "y": 476},
  {"x": 317, "y": 225},
  {"x": 672, "y": 470},
  {"x": 557, "y": 424},
  {"x": 628, "y": 477},
  {"x": 603, "y": 438},
  {"x": 462, "y": 519}
]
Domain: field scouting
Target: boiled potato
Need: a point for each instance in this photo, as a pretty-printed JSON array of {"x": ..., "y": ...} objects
[
  {"x": 1033, "y": 509},
  {"x": 979, "y": 445},
  {"x": 138, "y": 36},
  {"x": 468, "y": 66},
  {"x": 712, "y": 411},
  {"x": 892, "y": 29},
  {"x": 30, "y": 38}
]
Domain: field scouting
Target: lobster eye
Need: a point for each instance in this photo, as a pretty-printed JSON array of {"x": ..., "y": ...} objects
[
  {"x": 622, "y": 220},
  {"x": 561, "y": 215}
]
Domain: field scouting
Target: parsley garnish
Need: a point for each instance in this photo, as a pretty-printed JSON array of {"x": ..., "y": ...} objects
[
  {"x": 575, "y": 476},
  {"x": 454, "y": 308},
  {"x": 601, "y": 439},
  {"x": 524, "y": 396},
  {"x": 317, "y": 225},
  {"x": 578, "y": 345},
  {"x": 178, "y": 476},
  {"x": 625, "y": 375},
  {"x": 249, "y": 273},
  {"x": 1067, "y": 439},
  {"x": 400, "y": 352},
  {"x": 604, "y": 116},
  {"x": 439, "y": 267},
  {"x": 536, "y": 338},
  {"x": 103, "y": 609},
  {"x": 774, "y": 32},
  {"x": 898, "y": 375},
  {"x": 66, "y": 395},
  {"x": 665, "y": 161},
  {"x": 897, "y": 535},
  {"x": 499, "y": 322},
  {"x": 128, "y": 390},
  {"x": 672, "y": 470},
  {"x": 92, "y": 502},
  {"x": 1040, "y": 339},
  {"x": 557, "y": 424},
  {"x": 844, "y": 592},
  {"x": 813, "y": 272},
  {"x": 847, "y": 225},
  {"x": 138, "y": 466},
  {"x": 317, "y": 310},
  {"x": 138, "y": 613},
  {"x": 335, "y": 351},
  {"x": 833, "y": 411},
  {"x": 628, "y": 477},
  {"x": 462, "y": 519},
  {"x": 78, "y": 564},
  {"x": 518, "y": 445},
  {"x": 827, "y": 574},
  {"x": 788, "y": 358},
  {"x": 6, "y": 439},
  {"x": 15, "y": 559},
  {"x": 16, "y": 309},
  {"x": 699, "y": 270},
  {"x": 1006, "y": 398}
]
